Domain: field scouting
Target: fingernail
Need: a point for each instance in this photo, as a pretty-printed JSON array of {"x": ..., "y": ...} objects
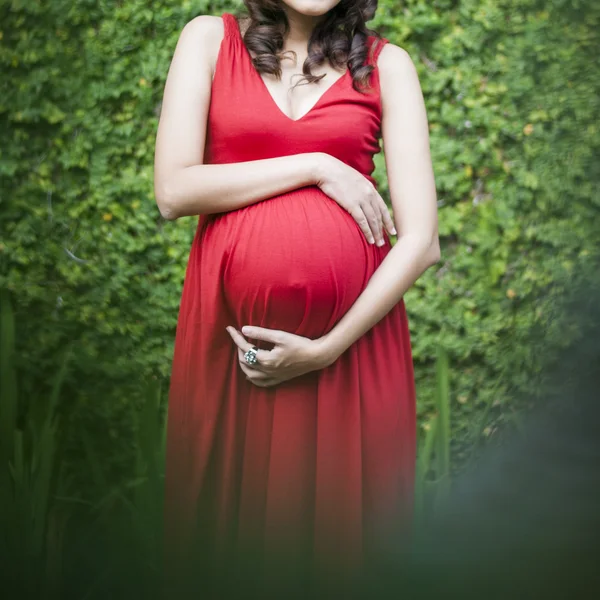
[
  {"x": 394, "y": 232},
  {"x": 380, "y": 243},
  {"x": 245, "y": 330},
  {"x": 371, "y": 240}
]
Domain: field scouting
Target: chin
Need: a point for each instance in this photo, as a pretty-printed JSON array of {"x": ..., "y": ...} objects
[{"x": 311, "y": 8}]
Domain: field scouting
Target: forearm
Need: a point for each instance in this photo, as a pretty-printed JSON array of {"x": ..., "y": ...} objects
[
  {"x": 216, "y": 188},
  {"x": 405, "y": 263}
]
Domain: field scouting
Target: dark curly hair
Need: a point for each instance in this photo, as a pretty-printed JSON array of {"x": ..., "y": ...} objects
[{"x": 340, "y": 38}]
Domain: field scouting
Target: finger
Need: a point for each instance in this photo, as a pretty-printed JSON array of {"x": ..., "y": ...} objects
[
  {"x": 244, "y": 345},
  {"x": 361, "y": 220},
  {"x": 262, "y": 358},
  {"x": 239, "y": 339},
  {"x": 374, "y": 223},
  {"x": 272, "y": 336},
  {"x": 380, "y": 226},
  {"x": 379, "y": 216},
  {"x": 388, "y": 222},
  {"x": 253, "y": 375}
]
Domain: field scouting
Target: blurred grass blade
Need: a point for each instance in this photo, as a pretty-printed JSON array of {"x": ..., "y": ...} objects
[
  {"x": 28, "y": 469},
  {"x": 423, "y": 469},
  {"x": 443, "y": 407},
  {"x": 8, "y": 379},
  {"x": 442, "y": 455}
]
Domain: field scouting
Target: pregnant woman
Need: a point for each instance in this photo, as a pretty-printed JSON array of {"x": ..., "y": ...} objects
[{"x": 291, "y": 420}]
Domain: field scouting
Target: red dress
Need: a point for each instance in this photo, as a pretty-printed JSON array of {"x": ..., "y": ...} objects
[{"x": 325, "y": 461}]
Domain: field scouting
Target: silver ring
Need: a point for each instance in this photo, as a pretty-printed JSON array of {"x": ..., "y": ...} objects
[{"x": 250, "y": 356}]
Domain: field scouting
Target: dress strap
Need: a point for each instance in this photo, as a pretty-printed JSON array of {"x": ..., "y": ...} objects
[
  {"x": 375, "y": 47},
  {"x": 228, "y": 24}
]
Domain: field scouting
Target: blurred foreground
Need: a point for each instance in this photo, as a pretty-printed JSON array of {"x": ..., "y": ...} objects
[{"x": 523, "y": 522}]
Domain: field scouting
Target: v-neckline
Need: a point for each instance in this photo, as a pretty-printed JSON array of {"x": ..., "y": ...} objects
[{"x": 266, "y": 89}]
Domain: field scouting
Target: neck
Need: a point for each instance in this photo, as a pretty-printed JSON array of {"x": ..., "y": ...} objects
[{"x": 301, "y": 27}]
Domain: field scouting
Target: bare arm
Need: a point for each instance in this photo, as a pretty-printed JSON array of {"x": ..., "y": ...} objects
[
  {"x": 184, "y": 186},
  {"x": 405, "y": 134}
]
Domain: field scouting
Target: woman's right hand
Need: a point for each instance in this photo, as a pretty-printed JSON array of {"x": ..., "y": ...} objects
[{"x": 356, "y": 194}]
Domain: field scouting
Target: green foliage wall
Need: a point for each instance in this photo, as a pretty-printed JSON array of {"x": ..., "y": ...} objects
[
  {"x": 513, "y": 107},
  {"x": 513, "y": 114}
]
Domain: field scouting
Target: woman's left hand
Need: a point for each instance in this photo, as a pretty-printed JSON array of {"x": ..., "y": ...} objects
[{"x": 291, "y": 356}]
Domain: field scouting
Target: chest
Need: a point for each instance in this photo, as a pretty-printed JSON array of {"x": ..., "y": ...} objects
[
  {"x": 293, "y": 95},
  {"x": 254, "y": 115},
  {"x": 247, "y": 121}
]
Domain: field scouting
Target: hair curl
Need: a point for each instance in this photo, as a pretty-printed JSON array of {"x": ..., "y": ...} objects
[{"x": 340, "y": 38}]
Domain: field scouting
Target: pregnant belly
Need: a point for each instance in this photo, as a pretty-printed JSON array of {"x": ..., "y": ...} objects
[{"x": 296, "y": 262}]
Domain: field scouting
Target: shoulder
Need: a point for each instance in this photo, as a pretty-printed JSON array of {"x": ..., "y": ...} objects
[
  {"x": 402, "y": 100},
  {"x": 204, "y": 33},
  {"x": 394, "y": 61},
  {"x": 205, "y": 26},
  {"x": 206, "y": 29},
  {"x": 397, "y": 73}
]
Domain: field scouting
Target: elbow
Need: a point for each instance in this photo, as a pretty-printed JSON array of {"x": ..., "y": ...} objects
[
  {"x": 430, "y": 252},
  {"x": 426, "y": 249},
  {"x": 434, "y": 253},
  {"x": 165, "y": 202},
  {"x": 167, "y": 211}
]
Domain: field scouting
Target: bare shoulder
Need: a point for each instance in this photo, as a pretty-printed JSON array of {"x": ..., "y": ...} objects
[
  {"x": 396, "y": 68},
  {"x": 205, "y": 26},
  {"x": 204, "y": 33},
  {"x": 400, "y": 89}
]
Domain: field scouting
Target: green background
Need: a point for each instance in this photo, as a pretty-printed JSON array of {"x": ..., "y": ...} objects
[{"x": 513, "y": 109}]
